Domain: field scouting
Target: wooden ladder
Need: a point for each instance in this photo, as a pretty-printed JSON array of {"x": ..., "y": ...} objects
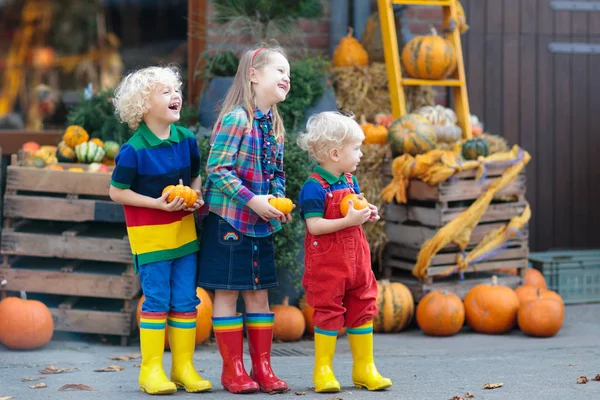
[{"x": 457, "y": 81}]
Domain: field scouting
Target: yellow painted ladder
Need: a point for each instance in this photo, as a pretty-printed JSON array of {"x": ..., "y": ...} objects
[{"x": 457, "y": 81}]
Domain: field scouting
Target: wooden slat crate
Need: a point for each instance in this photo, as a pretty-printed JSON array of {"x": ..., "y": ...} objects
[
  {"x": 429, "y": 208},
  {"x": 65, "y": 241}
]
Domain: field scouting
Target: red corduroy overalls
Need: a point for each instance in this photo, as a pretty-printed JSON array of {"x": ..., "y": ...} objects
[{"x": 338, "y": 279}]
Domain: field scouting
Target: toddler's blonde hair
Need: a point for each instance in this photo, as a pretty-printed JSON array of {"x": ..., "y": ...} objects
[
  {"x": 132, "y": 96},
  {"x": 327, "y": 130}
]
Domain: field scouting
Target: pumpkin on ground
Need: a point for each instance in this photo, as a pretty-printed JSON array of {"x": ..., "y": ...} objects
[
  {"x": 75, "y": 135},
  {"x": 491, "y": 308},
  {"x": 429, "y": 57},
  {"x": 528, "y": 293},
  {"x": 282, "y": 204},
  {"x": 358, "y": 202},
  {"x": 412, "y": 134},
  {"x": 307, "y": 311},
  {"x": 475, "y": 148},
  {"x": 349, "y": 52},
  {"x": 535, "y": 278},
  {"x": 396, "y": 307},
  {"x": 203, "y": 319},
  {"x": 542, "y": 316},
  {"x": 89, "y": 152},
  {"x": 25, "y": 324},
  {"x": 288, "y": 324},
  {"x": 188, "y": 194},
  {"x": 374, "y": 134},
  {"x": 440, "y": 313}
]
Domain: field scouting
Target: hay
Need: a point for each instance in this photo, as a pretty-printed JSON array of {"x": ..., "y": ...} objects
[
  {"x": 370, "y": 179},
  {"x": 364, "y": 91}
]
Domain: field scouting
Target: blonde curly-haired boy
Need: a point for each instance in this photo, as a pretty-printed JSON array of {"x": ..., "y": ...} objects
[{"x": 162, "y": 234}]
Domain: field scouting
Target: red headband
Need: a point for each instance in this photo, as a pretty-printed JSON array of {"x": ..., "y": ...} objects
[{"x": 256, "y": 53}]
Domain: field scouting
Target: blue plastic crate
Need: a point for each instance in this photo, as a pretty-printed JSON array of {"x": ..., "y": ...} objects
[{"x": 575, "y": 275}]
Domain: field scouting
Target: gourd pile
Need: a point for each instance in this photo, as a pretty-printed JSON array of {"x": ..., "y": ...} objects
[{"x": 75, "y": 147}]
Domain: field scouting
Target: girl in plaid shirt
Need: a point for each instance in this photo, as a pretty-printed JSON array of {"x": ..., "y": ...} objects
[{"x": 245, "y": 170}]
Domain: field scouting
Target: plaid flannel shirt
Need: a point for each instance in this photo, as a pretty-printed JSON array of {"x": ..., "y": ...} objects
[{"x": 238, "y": 169}]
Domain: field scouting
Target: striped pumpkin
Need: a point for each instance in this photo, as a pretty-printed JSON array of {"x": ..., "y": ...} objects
[
  {"x": 429, "y": 57},
  {"x": 412, "y": 134},
  {"x": 396, "y": 307}
]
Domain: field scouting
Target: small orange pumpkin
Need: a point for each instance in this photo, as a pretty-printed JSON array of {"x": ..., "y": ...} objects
[
  {"x": 358, "y": 201},
  {"x": 203, "y": 319},
  {"x": 528, "y": 293},
  {"x": 75, "y": 135},
  {"x": 349, "y": 52},
  {"x": 440, "y": 313},
  {"x": 491, "y": 308},
  {"x": 29, "y": 148},
  {"x": 282, "y": 204},
  {"x": 541, "y": 317},
  {"x": 54, "y": 167},
  {"x": 374, "y": 134},
  {"x": 25, "y": 324},
  {"x": 188, "y": 194},
  {"x": 43, "y": 57},
  {"x": 288, "y": 324},
  {"x": 535, "y": 278}
]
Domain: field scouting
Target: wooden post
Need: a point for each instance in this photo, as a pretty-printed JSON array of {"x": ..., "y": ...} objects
[{"x": 197, "y": 16}]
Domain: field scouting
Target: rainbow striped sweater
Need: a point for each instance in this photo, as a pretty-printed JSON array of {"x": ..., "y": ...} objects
[{"x": 146, "y": 165}]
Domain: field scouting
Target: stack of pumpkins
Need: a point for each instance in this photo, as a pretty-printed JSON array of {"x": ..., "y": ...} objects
[{"x": 76, "y": 145}]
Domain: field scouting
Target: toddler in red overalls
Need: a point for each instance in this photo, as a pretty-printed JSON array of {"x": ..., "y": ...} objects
[{"x": 338, "y": 278}]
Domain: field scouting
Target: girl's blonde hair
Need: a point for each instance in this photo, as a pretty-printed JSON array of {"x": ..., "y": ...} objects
[
  {"x": 242, "y": 92},
  {"x": 132, "y": 96},
  {"x": 327, "y": 130}
]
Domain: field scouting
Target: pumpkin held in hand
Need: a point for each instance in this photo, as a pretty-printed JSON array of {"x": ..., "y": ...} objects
[
  {"x": 288, "y": 323},
  {"x": 396, "y": 307},
  {"x": 542, "y": 316},
  {"x": 491, "y": 308},
  {"x": 188, "y": 194},
  {"x": 25, "y": 324},
  {"x": 440, "y": 313},
  {"x": 282, "y": 204},
  {"x": 203, "y": 318},
  {"x": 429, "y": 57},
  {"x": 358, "y": 201}
]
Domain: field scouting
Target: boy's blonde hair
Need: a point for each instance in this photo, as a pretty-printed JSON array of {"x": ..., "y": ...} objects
[
  {"x": 327, "y": 130},
  {"x": 242, "y": 92},
  {"x": 132, "y": 96}
]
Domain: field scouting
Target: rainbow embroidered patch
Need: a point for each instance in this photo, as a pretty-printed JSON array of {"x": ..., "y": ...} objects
[{"x": 231, "y": 236}]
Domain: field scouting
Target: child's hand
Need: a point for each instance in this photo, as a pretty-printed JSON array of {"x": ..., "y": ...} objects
[
  {"x": 357, "y": 217},
  {"x": 260, "y": 205},
  {"x": 176, "y": 205},
  {"x": 199, "y": 203},
  {"x": 286, "y": 217},
  {"x": 374, "y": 213}
]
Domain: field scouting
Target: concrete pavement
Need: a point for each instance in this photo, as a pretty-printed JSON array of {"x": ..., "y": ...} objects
[{"x": 421, "y": 367}]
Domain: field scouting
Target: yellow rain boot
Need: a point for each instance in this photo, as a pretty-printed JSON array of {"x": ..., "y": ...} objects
[
  {"x": 153, "y": 379},
  {"x": 182, "y": 338},
  {"x": 364, "y": 371},
  {"x": 323, "y": 376}
]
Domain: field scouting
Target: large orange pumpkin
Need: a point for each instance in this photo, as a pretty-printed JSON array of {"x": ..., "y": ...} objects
[
  {"x": 188, "y": 194},
  {"x": 529, "y": 293},
  {"x": 429, "y": 57},
  {"x": 358, "y": 202},
  {"x": 542, "y": 317},
  {"x": 203, "y": 319},
  {"x": 307, "y": 311},
  {"x": 396, "y": 307},
  {"x": 440, "y": 313},
  {"x": 490, "y": 308},
  {"x": 25, "y": 324},
  {"x": 535, "y": 278},
  {"x": 288, "y": 324}
]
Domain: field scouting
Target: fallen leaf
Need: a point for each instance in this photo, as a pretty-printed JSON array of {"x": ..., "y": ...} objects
[
  {"x": 596, "y": 378},
  {"x": 492, "y": 385},
  {"x": 582, "y": 379},
  {"x": 469, "y": 395},
  {"x": 201, "y": 370},
  {"x": 6, "y": 398},
  {"x": 136, "y": 365},
  {"x": 110, "y": 368},
  {"x": 573, "y": 365},
  {"x": 335, "y": 398},
  {"x": 457, "y": 398},
  {"x": 75, "y": 386},
  {"x": 300, "y": 393},
  {"x": 38, "y": 386},
  {"x": 32, "y": 379},
  {"x": 126, "y": 357},
  {"x": 51, "y": 369}
]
